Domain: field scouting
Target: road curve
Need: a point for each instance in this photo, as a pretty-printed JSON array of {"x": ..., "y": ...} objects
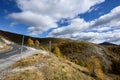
[{"x": 16, "y": 49}]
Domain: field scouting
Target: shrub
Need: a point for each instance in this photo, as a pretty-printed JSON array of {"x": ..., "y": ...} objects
[
  {"x": 94, "y": 66},
  {"x": 30, "y": 42},
  {"x": 116, "y": 66},
  {"x": 37, "y": 43},
  {"x": 57, "y": 52},
  {"x": 81, "y": 63},
  {"x": 114, "y": 49}
]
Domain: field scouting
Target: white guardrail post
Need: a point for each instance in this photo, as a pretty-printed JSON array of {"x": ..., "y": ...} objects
[{"x": 22, "y": 44}]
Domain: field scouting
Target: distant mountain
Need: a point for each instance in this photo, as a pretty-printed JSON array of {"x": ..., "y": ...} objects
[{"x": 108, "y": 44}]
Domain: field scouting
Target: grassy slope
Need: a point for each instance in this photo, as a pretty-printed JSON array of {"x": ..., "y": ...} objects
[
  {"x": 47, "y": 68},
  {"x": 44, "y": 67},
  {"x": 82, "y": 50},
  {"x": 116, "y": 62},
  {"x": 114, "y": 49}
]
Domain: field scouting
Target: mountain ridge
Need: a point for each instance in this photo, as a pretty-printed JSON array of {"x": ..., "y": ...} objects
[{"x": 108, "y": 44}]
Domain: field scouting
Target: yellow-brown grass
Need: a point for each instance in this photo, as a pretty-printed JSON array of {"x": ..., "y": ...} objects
[
  {"x": 51, "y": 67},
  {"x": 57, "y": 52},
  {"x": 95, "y": 68},
  {"x": 55, "y": 68},
  {"x": 29, "y": 74},
  {"x": 29, "y": 61}
]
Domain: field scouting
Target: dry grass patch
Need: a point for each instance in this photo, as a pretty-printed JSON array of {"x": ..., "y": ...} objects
[
  {"x": 25, "y": 75},
  {"x": 112, "y": 77},
  {"x": 95, "y": 67},
  {"x": 59, "y": 69},
  {"x": 51, "y": 67},
  {"x": 29, "y": 61}
]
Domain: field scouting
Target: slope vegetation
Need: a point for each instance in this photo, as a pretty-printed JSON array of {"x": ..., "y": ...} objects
[
  {"x": 44, "y": 67},
  {"x": 98, "y": 60}
]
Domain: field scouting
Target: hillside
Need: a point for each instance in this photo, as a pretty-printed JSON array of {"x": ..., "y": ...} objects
[
  {"x": 44, "y": 67},
  {"x": 49, "y": 67},
  {"x": 17, "y": 38},
  {"x": 97, "y": 59},
  {"x": 80, "y": 51}
]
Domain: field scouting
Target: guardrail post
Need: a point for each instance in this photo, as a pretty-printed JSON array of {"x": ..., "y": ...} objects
[
  {"x": 22, "y": 44},
  {"x": 49, "y": 47}
]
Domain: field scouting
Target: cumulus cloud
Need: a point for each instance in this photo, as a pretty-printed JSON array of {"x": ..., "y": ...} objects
[
  {"x": 110, "y": 19},
  {"x": 37, "y": 22},
  {"x": 42, "y": 15},
  {"x": 56, "y": 8},
  {"x": 99, "y": 30},
  {"x": 96, "y": 37},
  {"x": 75, "y": 26}
]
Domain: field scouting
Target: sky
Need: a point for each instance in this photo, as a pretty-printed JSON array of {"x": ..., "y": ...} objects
[{"x": 95, "y": 21}]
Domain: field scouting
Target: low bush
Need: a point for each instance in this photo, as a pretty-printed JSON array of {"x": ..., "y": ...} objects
[
  {"x": 94, "y": 66},
  {"x": 57, "y": 52},
  {"x": 116, "y": 67}
]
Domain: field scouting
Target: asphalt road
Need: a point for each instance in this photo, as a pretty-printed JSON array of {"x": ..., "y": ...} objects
[{"x": 16, "y": 49}]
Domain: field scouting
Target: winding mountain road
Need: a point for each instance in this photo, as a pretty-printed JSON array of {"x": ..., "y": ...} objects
[
  {"x": 14, "y": 54},
  {"x": 15, "y": 49}
]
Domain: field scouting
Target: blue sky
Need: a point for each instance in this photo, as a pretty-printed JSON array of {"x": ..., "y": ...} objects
[{"x": 92, "y": 20}]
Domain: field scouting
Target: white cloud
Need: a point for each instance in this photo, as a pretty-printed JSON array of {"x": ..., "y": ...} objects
[
  {"x": 110, "y": 19},
  {"x": 57, "y": 8},
  {"x": 76, "y": 25},
  {"x": 96, "y": 37},
  {"x": 37, "y": 22},
  {"x": 77, "y": 28},
  {"x": 42, "y": 15}
]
